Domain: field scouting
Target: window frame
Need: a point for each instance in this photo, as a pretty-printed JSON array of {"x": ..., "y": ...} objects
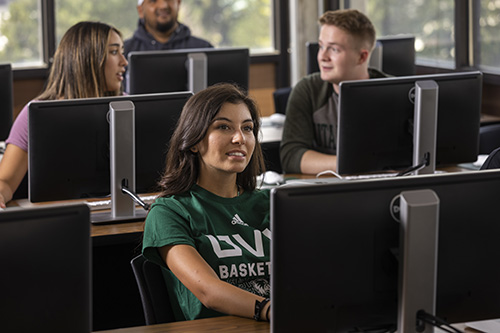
[
  {"x": 466, "y": 30},
  {"x": 280, "y": 30}
]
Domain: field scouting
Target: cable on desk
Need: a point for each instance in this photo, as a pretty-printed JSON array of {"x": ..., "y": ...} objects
[
  {"x": 425, "y": 162},
  {"x": 135, "y": 197},
  {"x": 435, "y": 321}
]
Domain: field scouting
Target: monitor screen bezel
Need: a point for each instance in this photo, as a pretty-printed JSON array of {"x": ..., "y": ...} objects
[
  {"x": 47, "y": 263},
  {"x": 68, "y": 149},
  {"x": 149, "y": 71},
  {"x": 350, "y": 222},
  {"x": 6, "y": 100},
  {"x": 375, "y": 133}
]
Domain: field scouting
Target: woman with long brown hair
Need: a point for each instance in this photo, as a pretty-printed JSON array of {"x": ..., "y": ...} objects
[
  {"x": 89, "y": 62},
  {"x": 209, "y": 229}
]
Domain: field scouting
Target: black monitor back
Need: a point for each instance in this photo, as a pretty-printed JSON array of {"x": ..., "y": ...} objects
[
  {"x": 335, "y": 252},
  {"x": 45, "y": 285},
  {"x": 167, "y": 71},
  {"x": 375, "y": 132},
  {"x": 398, "y": 55},
  {"x": 69, "y": 144},
  {"x": 6, "y": 103}
]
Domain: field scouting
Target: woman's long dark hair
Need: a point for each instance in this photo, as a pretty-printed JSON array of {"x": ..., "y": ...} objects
[
  {"x": 79, "y": 63},
  {"x": 182, "y": 165}
]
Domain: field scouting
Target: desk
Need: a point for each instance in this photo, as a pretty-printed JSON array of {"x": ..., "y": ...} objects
[
  {"x": 221, "y": 324},
  {"x": 218, "y": 324},
  {"x": 116, "y": 300}
]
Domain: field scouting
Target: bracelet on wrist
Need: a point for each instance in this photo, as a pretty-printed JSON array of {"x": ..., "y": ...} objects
[
  {"x": 259, "y": 306},
  {"x": 267, "y": 313}
]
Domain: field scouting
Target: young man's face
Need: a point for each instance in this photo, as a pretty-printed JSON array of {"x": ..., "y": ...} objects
[
  {"x": 339, "y": 57},
  {"x": 159, "y": 15}
]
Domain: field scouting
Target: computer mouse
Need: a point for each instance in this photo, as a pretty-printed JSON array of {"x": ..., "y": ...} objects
[{"x": 273, "y": 178}]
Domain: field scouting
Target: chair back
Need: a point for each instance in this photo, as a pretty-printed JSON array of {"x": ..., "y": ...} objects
[
  {"x": 153, "y": 291},
  {"x": 489, "y": 138},
  {"x": 493, "y": 160}
]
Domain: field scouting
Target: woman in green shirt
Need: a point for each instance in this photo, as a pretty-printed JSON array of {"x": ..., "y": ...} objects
[{"x": 209, "y": 229}]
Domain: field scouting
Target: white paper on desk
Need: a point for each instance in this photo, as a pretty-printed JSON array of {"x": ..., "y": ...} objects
[{"x": 488, "y": 326}]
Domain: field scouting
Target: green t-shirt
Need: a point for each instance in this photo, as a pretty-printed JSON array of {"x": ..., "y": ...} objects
[{"x": 232, "y": 234}]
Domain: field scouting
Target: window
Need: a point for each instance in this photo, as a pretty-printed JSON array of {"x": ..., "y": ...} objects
[
  {"x": 487, "y": 43},
  {"x": 70, "y": 12},
  {"x": 20, "y": 33},
  {"x": 431, "y": 22},
  {"x": 235, "y": 23},
  {"x": 223, "y": 23}
]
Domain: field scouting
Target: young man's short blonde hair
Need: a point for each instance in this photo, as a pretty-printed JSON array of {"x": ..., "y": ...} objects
[{"x": 354, "y": 23}]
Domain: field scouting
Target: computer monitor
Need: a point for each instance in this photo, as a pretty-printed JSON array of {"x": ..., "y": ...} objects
[
  {"x": 46, "y": 269},
  {"x": 398, "y": 55},
  {"x": 166, "y": 71},
  {"x": 375, "y": 132},
  {"x": 5, "y": 100},
  {"x": 335, "y": 250},
  {"x": 68, "y": 147}
]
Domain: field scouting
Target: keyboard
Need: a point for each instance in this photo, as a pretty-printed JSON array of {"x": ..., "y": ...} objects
[
  {"x": 106, "y": 203},
  {"x": 309, "y": 181},
  {"x": 328, "y": 180},
  {"x": 371, "y": 176}
]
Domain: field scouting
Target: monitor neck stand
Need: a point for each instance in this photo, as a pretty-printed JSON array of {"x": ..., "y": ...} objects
[
  {"x": 425, "y": 126},
  {"x": 197, "y": 72},
  {"x": 122, "y": 165},
  {"x": 419, "y": 225}
]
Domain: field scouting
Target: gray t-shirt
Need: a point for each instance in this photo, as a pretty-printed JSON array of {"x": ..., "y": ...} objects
[{"x": 311, "y": 120}]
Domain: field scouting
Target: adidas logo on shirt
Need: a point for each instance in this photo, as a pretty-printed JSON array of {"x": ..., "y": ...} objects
[{"x": 237, "y": 220}]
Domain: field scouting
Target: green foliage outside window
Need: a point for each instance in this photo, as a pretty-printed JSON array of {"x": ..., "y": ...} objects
[
  {"x": 20, "y": 34},
  {"x": 430, "y": 21},
  {"x": 225, "y": 23}
]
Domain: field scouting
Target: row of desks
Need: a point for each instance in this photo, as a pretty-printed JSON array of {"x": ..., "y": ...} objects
[{"x": 116, "y": 300}]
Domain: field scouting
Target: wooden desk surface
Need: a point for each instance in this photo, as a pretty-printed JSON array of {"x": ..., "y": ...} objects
[
  {"x": 135, "y": 228},
  {"x": 222, "y": 324},
  {"x": 97, "y": 230},
  {"x": 218, "y": 324}
]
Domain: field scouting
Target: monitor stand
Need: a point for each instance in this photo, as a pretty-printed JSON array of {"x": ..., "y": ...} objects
[
  {"x": 197, "y": 72},
  {"x": 425, "y": 126},
  {"x": 419, "y": 225},
  {"x": 376, "y": 56},
  {"x": 122, "y": 165}
]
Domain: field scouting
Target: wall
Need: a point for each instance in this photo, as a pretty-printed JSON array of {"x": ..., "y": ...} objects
[
  {"x": 304, "y": 28},
  {"x": 262, "y": 85}
]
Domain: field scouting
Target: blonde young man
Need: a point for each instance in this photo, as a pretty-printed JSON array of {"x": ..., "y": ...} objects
[{"x": 346, "y": 40}]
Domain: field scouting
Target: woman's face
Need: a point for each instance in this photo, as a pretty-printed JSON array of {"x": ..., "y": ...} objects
[
  {"x": 229, "y": 143},
  {"x": 114, "y": 68}
]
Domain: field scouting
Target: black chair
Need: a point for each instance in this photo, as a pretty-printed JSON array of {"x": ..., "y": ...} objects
[
  {"x": 493, "y": 160},
  {"x": 271, "y": 152},
  {"x": 280, "y": 96},
  {"x": 489, "y": 138},
  {"x": 153, "y": 291}
]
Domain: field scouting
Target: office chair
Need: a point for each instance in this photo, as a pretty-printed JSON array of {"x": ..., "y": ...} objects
[
  {"x": 489, "y": 138},
  {"x": 153, "y": 291},
  {"x": 271, "y": 151},
  {"x": 493, "y": 160},
  {"x": 22, "y": 189},
  {"x": 280, "y": 96}
]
